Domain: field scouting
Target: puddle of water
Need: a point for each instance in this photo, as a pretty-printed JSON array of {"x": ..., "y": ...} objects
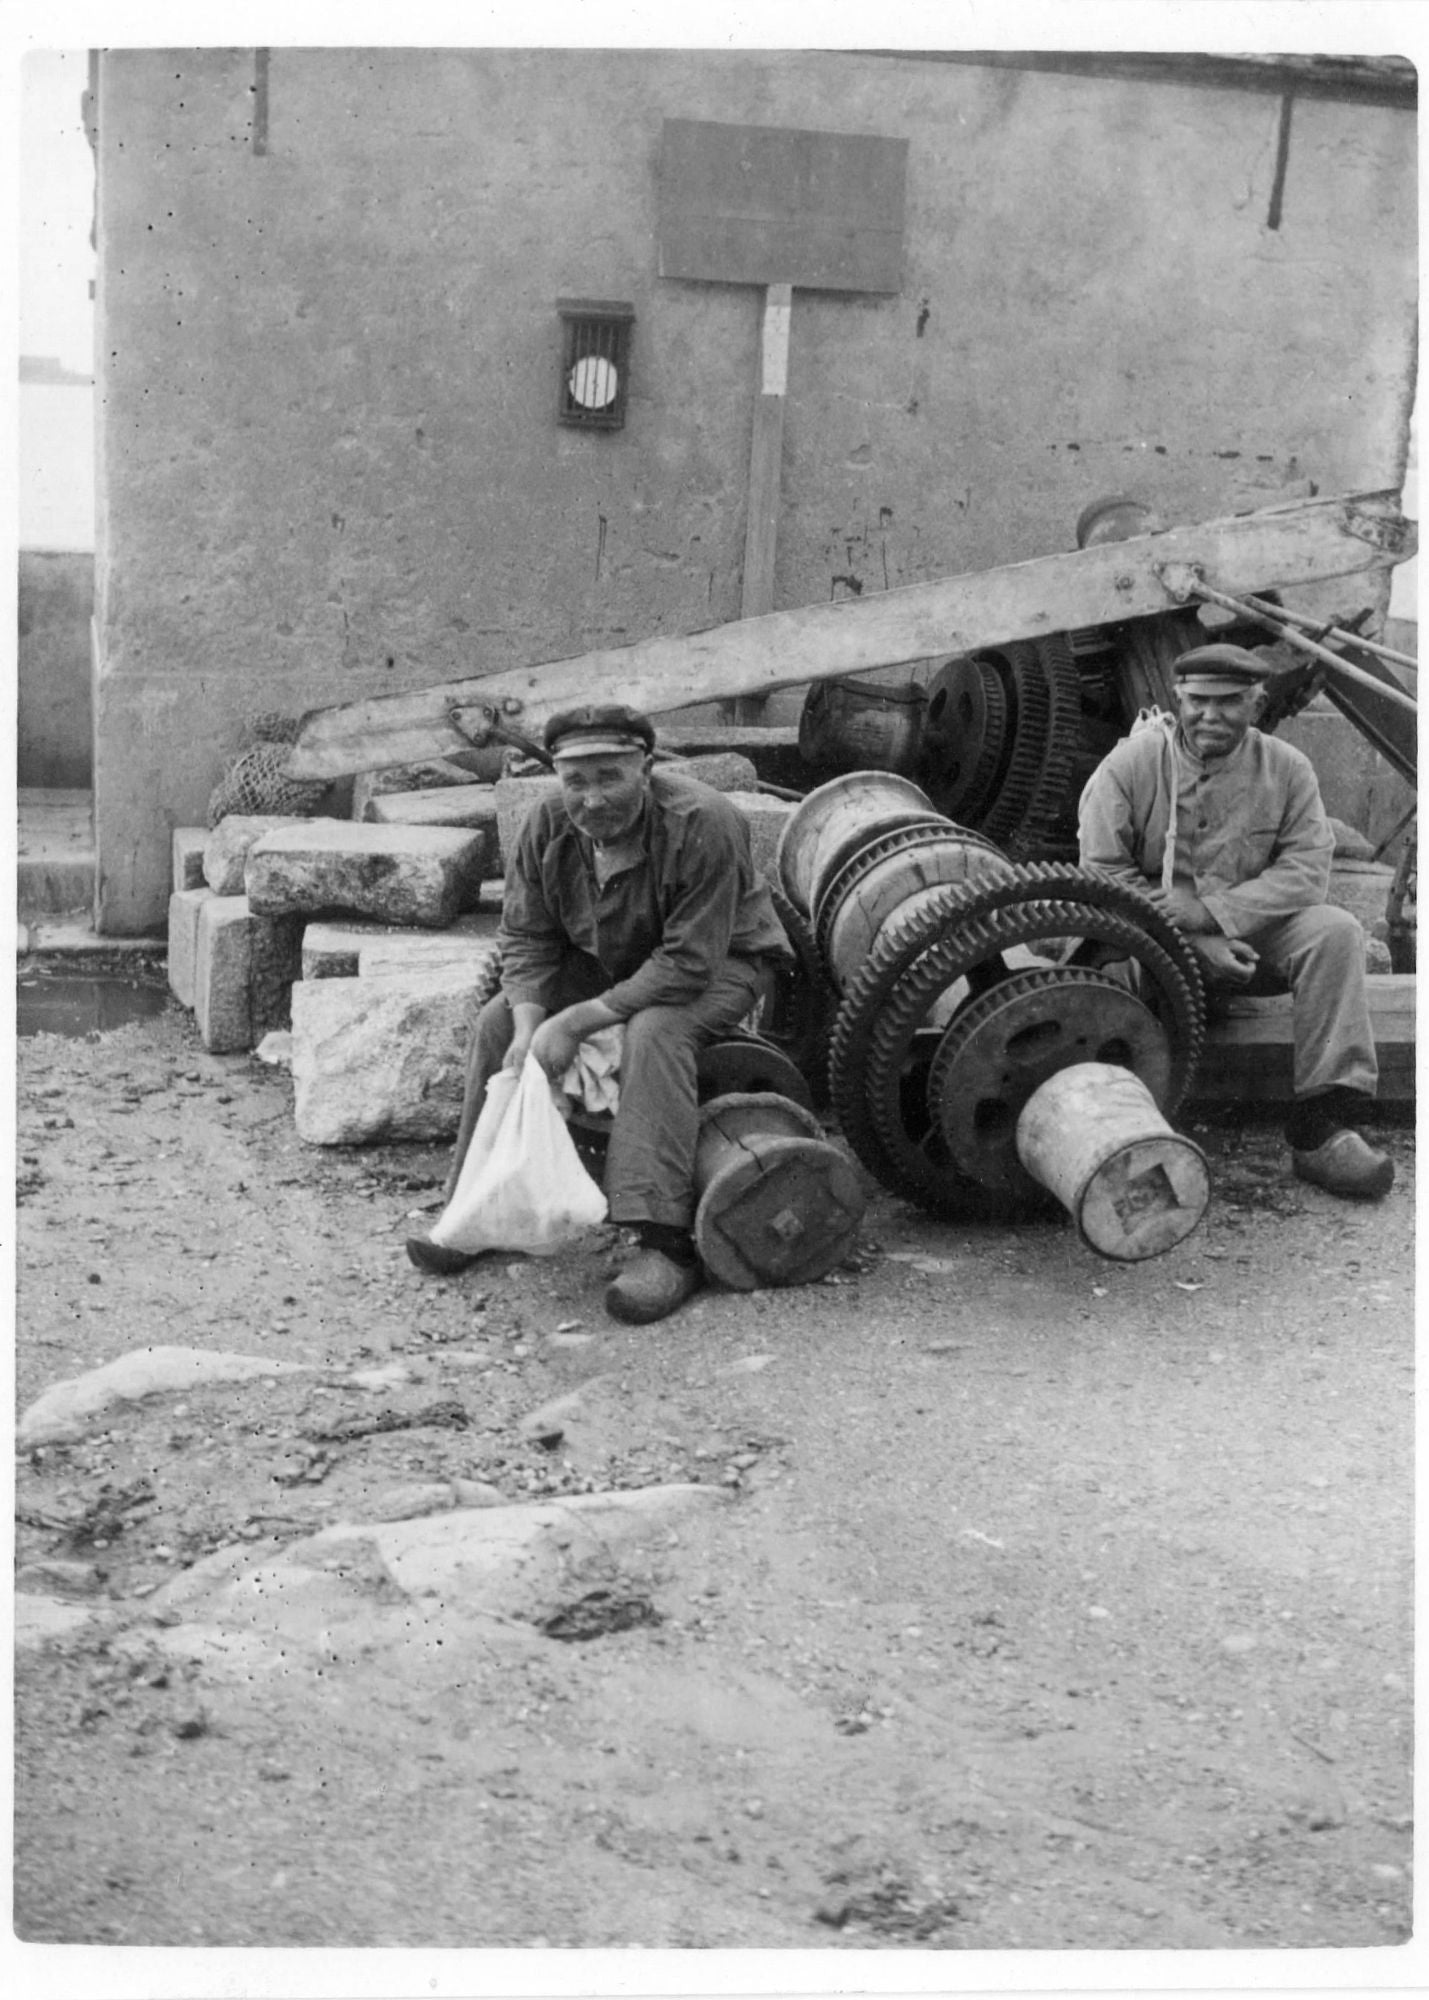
[{"x": 84, "y": 1003}]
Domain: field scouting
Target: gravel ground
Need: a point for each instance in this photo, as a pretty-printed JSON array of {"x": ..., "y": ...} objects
[{"x": 1050, "y": 1604}]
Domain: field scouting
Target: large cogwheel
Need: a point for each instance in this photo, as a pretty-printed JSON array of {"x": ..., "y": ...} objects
[
  {"x": 798, "y": 1018},
  {"x": 966, "y": 739},
  {"x": 1040, "y": 676},
  {"x": 949, "y": 951},
  {"x": 1002, "y": 1047}
]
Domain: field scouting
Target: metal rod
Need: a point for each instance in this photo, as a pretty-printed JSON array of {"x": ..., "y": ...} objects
[
  {"x": 1390, "y": 838},
  {"x": 1322, "y": 631},
  {"x": 1274, "y": 623}
]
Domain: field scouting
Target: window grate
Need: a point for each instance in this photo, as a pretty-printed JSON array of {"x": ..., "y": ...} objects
[{"x": 595, "y": 363}]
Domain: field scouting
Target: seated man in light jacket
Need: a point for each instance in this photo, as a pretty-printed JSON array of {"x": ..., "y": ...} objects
[{"x": 1224, "y": 829}]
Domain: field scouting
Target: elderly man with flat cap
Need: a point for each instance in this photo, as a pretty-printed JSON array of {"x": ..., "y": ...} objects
[
  {"x": 631, "y": 898},
  {"x": 1224, "y": 829}
]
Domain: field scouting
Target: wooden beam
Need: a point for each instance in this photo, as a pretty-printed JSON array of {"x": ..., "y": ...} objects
[
  {"x": 1306, "y": 541},
  {"x": 1250, "y": 1055}
]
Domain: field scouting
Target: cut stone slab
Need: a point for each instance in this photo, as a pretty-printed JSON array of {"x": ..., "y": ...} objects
[
  {"x": 185, "y": 908},
  {"x": 66, "y": 1408},
  {"x": 514, "y": 799},
  {"x": 381, "y": 1059},
  {"x": 442, "y": 805},
  {"x": 478, "y": 767},
  {"x": 187, "y": 848},
  {"x": 332, "y": 950},
  {"x": 415, "y": 951},
  {"x": 227, "y": 847},
  {"x": 471, "y": 806},
  {"x": 245, "y": 968},
  {"x": 722, "y": 771},
  {"x": 766, "y": 818},
  {"x": 398, "y": 874}
]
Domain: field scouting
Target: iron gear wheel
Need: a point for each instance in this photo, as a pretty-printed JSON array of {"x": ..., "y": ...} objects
[
  {"x": 1046, "y": 734},
  {"x": 966, "y": 739},
  {"x": 1000, "y": 1048},
  {"x": 798, "y": 1017},
  {"x": 911, "y": 840},
  {"x": 882, "y": 1054}
]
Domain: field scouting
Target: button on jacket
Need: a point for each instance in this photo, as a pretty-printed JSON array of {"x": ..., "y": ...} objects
[
  {"x": 660, "y": 928},
  {"x": 1251, "y": 840}
]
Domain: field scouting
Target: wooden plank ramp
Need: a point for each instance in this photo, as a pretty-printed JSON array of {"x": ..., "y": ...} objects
[{"x": 1303, "y": 542}]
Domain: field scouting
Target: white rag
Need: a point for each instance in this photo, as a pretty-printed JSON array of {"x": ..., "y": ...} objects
[{"x": 593, "y": 1077}]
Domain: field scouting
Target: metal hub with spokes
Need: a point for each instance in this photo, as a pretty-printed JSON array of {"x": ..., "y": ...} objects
[{"x": 1001, "y": 1047}]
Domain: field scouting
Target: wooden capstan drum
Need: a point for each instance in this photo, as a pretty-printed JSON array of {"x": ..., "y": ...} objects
[{"x": 778, "y": 1203}]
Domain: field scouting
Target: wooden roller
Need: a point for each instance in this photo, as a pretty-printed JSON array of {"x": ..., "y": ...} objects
[
  {"x": 778, "y": 1204},
  {"x": 1092, "y": 1136}
]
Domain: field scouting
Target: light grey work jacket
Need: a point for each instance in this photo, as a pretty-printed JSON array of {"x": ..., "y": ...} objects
[{"x": 1251, "y": 836}]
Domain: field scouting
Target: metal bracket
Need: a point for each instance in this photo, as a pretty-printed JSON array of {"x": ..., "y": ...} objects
[{"x": 1180, "y": 580}]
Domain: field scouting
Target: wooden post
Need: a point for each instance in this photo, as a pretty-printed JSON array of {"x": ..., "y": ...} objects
[{"x": 766, "y": 452}]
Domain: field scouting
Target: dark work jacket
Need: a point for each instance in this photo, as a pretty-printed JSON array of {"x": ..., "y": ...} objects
[{"x": 660, "y": 928}]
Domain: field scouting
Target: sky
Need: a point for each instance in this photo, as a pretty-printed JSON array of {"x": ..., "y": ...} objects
[{"x": 56, "y": 210}]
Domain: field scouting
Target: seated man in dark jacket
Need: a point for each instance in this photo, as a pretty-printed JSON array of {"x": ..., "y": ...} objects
[
  {"x": 631, "y": 898},
  {"x": 1223, "y": 828}
]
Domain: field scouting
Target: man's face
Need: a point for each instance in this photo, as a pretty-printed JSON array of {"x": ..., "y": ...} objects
[
  {"x": 604, "y": 794},
  {"x": 1215, "y": 724}
]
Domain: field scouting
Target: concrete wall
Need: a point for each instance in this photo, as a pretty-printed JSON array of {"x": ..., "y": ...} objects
[
  {"x": 330, "y": 465},
  {"x": 56, "y": 602}
]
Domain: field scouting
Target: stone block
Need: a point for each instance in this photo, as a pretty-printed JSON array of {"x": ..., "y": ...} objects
[
  {"x": 381, "y": 1059},
  {"x": 411, "y": 952},
  {"x": 766, "y": 818},
  {"x": 185, "y": 906},
  {"x": 471, "y": 806},
  {"x": 477, "y": 767},
  {"x": 332, "y": 950},
  {"x": 188, "y": 845},
  {"x": 226, "y": 848},
  {"x": 244, "y": 973},
  {"x": 1362, "y": 888},
  {"x": 722, "y": 771},
  {"x": 514, "y": 799},
  {"x": 421, "y": 875}
]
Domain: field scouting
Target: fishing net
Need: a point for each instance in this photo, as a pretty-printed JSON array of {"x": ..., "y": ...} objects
[{"x": 256, "y": 780}]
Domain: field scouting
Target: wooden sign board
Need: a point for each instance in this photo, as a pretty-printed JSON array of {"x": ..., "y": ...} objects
[{"x": 769, "y": 205}]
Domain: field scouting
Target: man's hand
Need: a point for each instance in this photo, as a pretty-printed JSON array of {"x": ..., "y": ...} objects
[
  {"x": 527, "y": 1017},
  {"x": 1185, "y": 909},
  {"x": 555, "y": 1042},
  {"x": 1230, "y": 960}
]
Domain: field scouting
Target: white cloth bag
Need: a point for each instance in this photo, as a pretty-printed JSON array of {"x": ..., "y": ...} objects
[{"x": 522, "y": 1185}]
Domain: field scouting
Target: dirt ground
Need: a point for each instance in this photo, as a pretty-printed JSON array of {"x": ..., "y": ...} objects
[{"x": 1047, "y": 1603}]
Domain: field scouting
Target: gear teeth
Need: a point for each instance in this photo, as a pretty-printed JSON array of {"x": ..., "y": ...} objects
[
  {"x": 996, "y": 1163},
  {"x": 802, "y": 1011},
  {"x": 905, "y": 839},
  {"x": 917, "y": 959}
]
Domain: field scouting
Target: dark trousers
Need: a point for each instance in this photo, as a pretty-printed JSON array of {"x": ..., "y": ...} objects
[{"x": 650, "y": 1161}]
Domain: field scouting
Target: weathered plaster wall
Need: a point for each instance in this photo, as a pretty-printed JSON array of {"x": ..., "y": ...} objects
[
  {"x": 329, "y": 460},
  {"x": 56, "y": 602}
]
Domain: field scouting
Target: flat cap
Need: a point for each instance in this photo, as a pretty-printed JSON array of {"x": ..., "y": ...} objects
[
  {"x": 596, "y": 730},
  {"x": 1220, "y": 669}
]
